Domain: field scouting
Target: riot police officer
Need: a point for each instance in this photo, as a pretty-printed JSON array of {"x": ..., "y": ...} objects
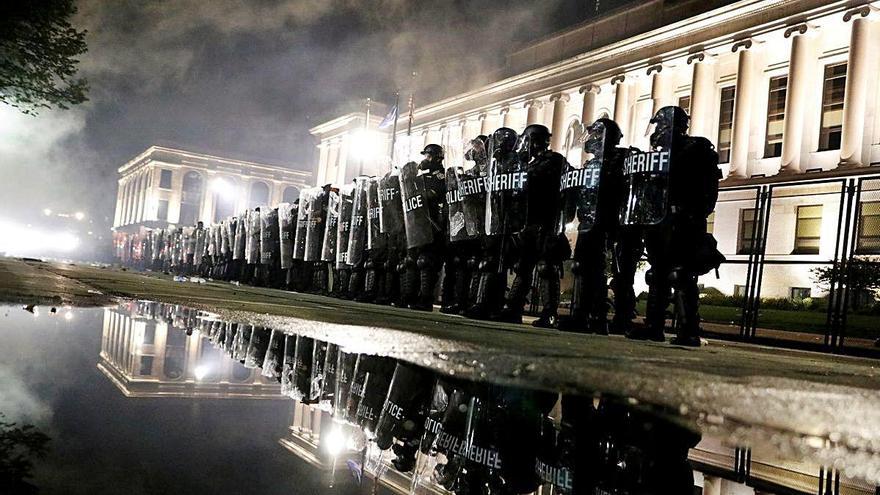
[
  {"x": 423, "y": 190},
  {"x": 537, "y": 240},
  {"x": 462, "y": 243},
  {"x": 392, "y": 226},
  {"x": 592, "y": 194},
  {"x": 671, "y": 191}
]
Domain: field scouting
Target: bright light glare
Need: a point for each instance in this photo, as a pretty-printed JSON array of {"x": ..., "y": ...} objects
[
  {"x": 79, "y": 215},
  {"x": 335, "y": 441},
  {"x": 201, "y": 371},
  {"x": 68, "y": 316},
  {"x": 24, "y": 241},
  {"x": 223, "y": 187},
  {"x": 47, "y": 211},
  {"x": 368, "y": 144}
]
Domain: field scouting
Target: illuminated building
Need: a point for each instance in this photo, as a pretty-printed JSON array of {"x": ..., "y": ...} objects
[{"x": 784, "y": 90}]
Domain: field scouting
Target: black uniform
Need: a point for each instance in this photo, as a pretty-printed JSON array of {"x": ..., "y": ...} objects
[
  {"x": 538, "y": 243},
  {"x": 671, "y": 191}
]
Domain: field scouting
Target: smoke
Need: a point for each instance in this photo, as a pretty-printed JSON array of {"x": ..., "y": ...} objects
[{"x": 247, "y": 79}]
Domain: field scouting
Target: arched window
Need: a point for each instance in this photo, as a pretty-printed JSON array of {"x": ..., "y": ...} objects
[
  {"x": 259, "y": 195},
  {"x": 290, "y": 194},
  {"x": 191, "y": 198},
  {"x": 225, "y": 193}
]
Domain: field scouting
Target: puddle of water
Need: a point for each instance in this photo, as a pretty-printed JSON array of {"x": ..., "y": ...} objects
[{"x": 130, "y": 397}]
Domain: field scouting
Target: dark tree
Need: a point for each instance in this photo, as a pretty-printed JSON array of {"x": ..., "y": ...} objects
[
  {"x": 19, "y": 446},
  {"x": 862, "y": 276},
  {"x": 38, "y": 50}
]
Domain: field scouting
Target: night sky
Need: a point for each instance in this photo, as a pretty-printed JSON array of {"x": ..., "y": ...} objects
[{"x": 247, "y": 79}]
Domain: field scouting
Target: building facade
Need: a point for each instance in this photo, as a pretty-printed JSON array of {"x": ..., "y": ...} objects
[
  {"x": 165, "y": 186},
  {"x": 785, "y": 90}
]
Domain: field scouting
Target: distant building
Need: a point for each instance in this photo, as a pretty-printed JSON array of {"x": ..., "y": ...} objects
[
  {"x": 148, "y": 357},
  {"x": 786, "y": 91},
  {"x": 165, "y": 186}
]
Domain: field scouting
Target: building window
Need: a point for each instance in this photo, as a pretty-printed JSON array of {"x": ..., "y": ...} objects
[
  {"x": 775, "y": 116},
  {"x": 162, "y": 212},
  {"x": 191, "y": 199},
  {"x": 739, "y": 291},
  {"x": 685, "y": 103},
  {"x": 146, "y": 367},
  {"x": 259, "y": 195},
  {"x": 799, "y": 293},
  {"x": 808, "y": 229},
  {"x": 725, "y": 123},
  {"x": 710, "y": 223},
  {"x": 150, "y": 334},
  {"x": 869, "y": 228},
  {"x": 832, "y": 107},
  {"x": 165, "y": 179},
  {"x": 746, "y": 231}
]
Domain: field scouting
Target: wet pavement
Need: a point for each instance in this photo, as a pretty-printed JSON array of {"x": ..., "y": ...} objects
[{"x": 788, "y": 408}]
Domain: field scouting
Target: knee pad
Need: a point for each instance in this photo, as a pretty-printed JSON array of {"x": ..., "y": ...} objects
[
  {"x": 576, "y": 268},
  {"x": 485, "y": 266},
  {"x": 472, "y": 263},
  {"x": 388, "y": 265},
  {"x": 679, "y": 275},
  {"x": 369, "y": 265},
  {"x": 423, "y": 262}
]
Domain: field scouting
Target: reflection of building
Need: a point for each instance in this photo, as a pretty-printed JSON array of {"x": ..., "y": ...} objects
[
  {"x": 785, "y": 90},
  {"x": 149, "y": 358},
  {"x": 163, "y": 186}
]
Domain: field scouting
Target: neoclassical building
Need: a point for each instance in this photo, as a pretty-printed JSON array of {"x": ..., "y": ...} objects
[
  {"x": 787, "y": 90},
  {"x": 164, "y": 186}
]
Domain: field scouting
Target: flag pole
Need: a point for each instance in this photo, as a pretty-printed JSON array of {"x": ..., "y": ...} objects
[{"x": 394, "y": 128}]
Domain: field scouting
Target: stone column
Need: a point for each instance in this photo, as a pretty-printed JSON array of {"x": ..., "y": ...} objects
[
  {"x": 702, "y": 94},
  {"x": 484, "y": 124},
  {"x": 117, "y": 215},
  {"x": 621, "y": 106},
  {"x": 742, "y": 112},
  {"x": 661, "y": 88},
  {"x": 711, "y": 485},
  {"x": 856, "y": 96},
  {"x": 800, "y": 67},
  {"x": 588, "y": 109},
  {"x": 506, "y": 117},
  {"x": 533, "y": 107},
  {"x": 323, "y": 153},
  {"x": 557, "y": 129}
]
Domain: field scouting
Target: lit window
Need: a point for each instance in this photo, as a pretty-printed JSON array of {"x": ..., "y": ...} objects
[
  {"x": 869, "y": 228},
  {"x": 775, "y": 116},
  {"x": 146, "y": 367},
  {"x": 165, "y": 179},
  {"x": 832, "y": 107},
  {"x": 746, "y": 231},
  {"x": 710, "y": 223},
  {"x": 808, "y": 229},
  {"x": 725, "y": 123},
  {"x": 799, "y": 293}
]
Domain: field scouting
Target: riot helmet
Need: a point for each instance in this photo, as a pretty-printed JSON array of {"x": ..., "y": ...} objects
[
  {"x": 433, "y": 152},
  {"x": 504, "y": 140},
  {"x": 602, "y": 132},
  {"x": 668, "y": 123},
  {"x": 475, "y": 149},
  {"x": 534, "y": 140}
]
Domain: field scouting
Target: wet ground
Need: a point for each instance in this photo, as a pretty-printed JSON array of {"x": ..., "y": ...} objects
[{"x": 787, "y": 405}]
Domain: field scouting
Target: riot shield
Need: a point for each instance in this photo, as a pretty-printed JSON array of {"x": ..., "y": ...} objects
[
  {"x": 416, "y": 217},
  {"x": 302, "y": 225},
  {"x": 328, "y": 381},
  {"x": 199, "y": 247},
  {"x": 345, "y": 365},
  {"x": 302, "y": 369},
  {"x": 357, "y": 238},
  {"x": 189, "y": 241},
  {"x": 646, "y": 181},
  {"x": 331, "y": 225},
  {"x": 346, "y": 197},
  {"x": 253, "y": 246},
  {"x": 231, "y": 224},
  {"x": 257, "y": 347},
  {"x": 506, "y": 194},
  {"x": 579, "y": 185},
  {"x": 238, "y": 251},
  {"x": 317, "y": 219},
  {"x": 268, "y": 235},
  {"x": 285, "y": 234},
  {"x": 274, "y": 360},
  {"x": 319, "y": 361},
  {"x": 288, "y": 365},
  {"x": 472, "y": 190},
  {"x": 455, "y": 206},
  {"x": 405, "y": 408},
  {"x": 375, "y": 239},
  {"x": 224, "y": 238},
  {"x": 379, "y": 373},
  {"x": 391, "y": 214}
]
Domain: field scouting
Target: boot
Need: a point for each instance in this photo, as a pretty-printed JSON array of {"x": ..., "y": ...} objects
[
  {"x": 550, "y": 286},
  {"x": 448, "y": 301}
]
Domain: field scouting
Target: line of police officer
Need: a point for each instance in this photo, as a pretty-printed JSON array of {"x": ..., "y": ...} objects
[
  {"x": 464, "y": 436},
  {"x": 518, "y": 207}
]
